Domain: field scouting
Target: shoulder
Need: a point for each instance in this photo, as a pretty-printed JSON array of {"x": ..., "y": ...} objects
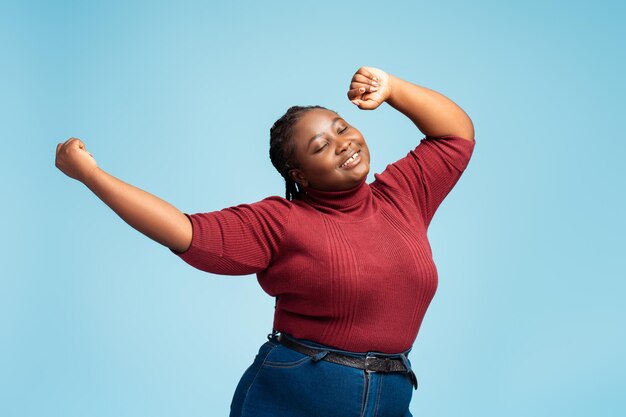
[
  {"x": 451, "y": 150},
  {"x": 431, "y": 154},
  {"x": 426, "y": 174}
]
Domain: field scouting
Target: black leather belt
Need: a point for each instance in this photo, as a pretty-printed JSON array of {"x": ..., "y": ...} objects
[{"x": 370, "y": 363}]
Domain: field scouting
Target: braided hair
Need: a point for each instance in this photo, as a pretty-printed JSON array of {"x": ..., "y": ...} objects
[{"x": 282, "y": 148}]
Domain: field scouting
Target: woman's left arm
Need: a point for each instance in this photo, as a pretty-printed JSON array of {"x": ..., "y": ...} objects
[{"x": 433, "y": 113}]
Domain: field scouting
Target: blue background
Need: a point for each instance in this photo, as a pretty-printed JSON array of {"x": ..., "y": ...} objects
[{"x": 177, "y": 99}]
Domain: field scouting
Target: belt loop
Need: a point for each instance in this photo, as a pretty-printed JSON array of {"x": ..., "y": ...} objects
[
  {"x": 320, "y": 356},
  {"x": 413, "y": 379},
  {"x": 405, "y": 361}
]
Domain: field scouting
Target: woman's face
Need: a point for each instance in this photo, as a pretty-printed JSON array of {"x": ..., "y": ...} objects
[{"x": 331, "y": 155}]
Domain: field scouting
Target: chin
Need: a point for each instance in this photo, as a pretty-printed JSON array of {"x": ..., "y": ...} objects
[{"x": 366, "y": 173}]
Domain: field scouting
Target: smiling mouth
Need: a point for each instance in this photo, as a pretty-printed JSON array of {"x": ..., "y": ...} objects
[{"x": 353, "y": 160}]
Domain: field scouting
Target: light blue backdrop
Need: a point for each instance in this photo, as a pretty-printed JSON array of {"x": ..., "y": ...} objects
[{"x": 177, "y": 99}]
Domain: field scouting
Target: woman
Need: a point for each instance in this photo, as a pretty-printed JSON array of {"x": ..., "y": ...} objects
[{"x": 348, "y": 262}]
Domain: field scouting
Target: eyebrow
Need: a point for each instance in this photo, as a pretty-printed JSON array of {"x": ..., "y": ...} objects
[{"x": 335, "y": 120}]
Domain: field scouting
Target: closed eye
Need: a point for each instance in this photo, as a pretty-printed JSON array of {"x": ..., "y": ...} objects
[{"x": 320, "y": 149}]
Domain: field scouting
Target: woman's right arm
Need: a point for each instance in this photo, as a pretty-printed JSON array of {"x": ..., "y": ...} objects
[{"x": 145, "y": 212}]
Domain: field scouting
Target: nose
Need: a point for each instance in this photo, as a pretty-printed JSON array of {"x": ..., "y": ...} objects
[{"x": 344, "y": 145}]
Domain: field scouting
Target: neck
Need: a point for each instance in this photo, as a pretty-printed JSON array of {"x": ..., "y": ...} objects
[{"x": 355, "y": 202}]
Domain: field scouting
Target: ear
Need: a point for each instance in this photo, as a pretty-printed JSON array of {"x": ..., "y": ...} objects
[{"x": 298, "y": 177}]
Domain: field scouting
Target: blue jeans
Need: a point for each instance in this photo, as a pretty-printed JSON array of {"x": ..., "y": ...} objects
[{"x": 284, "y": 383}]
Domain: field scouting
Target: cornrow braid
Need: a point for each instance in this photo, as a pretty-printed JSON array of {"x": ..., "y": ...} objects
[{"x": 282, "y": 148}]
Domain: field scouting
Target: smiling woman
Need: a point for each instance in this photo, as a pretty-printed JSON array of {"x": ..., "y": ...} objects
[
  {"x": 335, "y": 158},
  {"x": 348, "y": 262}
]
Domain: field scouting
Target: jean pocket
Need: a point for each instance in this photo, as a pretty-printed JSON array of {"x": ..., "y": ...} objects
[{"x": 282, "y": 357}]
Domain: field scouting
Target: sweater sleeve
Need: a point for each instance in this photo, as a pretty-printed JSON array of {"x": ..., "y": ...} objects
[
  {"x": 427, "y": 174},
  {"x": 238, "y": 240}
]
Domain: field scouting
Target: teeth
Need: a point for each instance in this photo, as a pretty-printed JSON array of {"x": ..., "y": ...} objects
[{"x": 352, "y": 158}]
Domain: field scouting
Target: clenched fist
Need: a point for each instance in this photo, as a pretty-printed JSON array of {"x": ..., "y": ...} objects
[
  {"x": 73, "y": 159},
  {"x": 369, "y": 88}
]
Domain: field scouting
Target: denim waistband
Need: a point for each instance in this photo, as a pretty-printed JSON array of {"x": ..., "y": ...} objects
[
  {"x": 316, "y": 345},
  {"x": 403, "y": 356}
]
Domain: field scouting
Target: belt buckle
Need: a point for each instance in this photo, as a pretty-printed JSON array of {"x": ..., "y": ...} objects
[{"x": 369, "y": 358}]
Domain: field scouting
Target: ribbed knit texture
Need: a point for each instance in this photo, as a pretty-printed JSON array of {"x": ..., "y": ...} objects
[{"x": 352, "y": 269}]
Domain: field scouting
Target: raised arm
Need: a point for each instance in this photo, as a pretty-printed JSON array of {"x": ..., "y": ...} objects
[
  {"x": 145, "y": 212},
  {"x": 433, "y": 113}
]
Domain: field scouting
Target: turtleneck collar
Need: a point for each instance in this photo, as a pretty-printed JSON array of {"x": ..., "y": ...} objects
[{"x": 356, "y": 202}]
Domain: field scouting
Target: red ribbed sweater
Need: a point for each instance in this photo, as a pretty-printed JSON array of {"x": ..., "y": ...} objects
[{"x": 352, "y": 269}]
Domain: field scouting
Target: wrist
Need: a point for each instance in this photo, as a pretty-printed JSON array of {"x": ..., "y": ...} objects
[
  {"x": 91, "y": 176},
  {"x": 394, "y": 86}
]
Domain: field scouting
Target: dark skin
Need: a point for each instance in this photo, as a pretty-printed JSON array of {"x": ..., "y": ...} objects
[
  {"x": 331, "y": 154},
  {"x": 433, "y": 114},
  {"x": 319, "y": 161}
]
